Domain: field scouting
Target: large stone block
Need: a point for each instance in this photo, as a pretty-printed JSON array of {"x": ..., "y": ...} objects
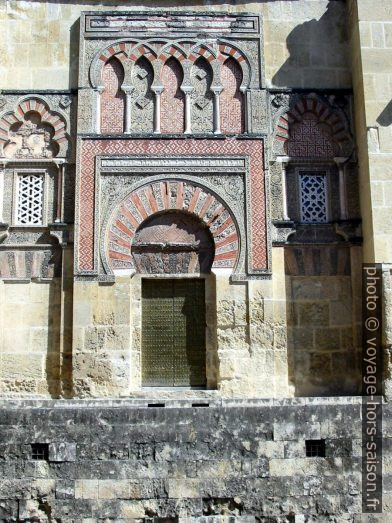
[
  {"x": 312, "y": 314},
  {"x": 113, "y": 489},
  {"x": 21, "y": 366},
  {"x": 184, "y": 488},
  {"x": 86, "y": 489}
]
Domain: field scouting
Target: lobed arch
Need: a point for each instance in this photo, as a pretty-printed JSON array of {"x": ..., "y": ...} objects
[
  {"x": 33, "y": 104},
  {"x": 170, "y": 195},
  {"x": 226, "y": 50},
  {"x": 132, "y": 50},
  {"x": 112, "y": 98},
  {"x": 327, "y": 121}
]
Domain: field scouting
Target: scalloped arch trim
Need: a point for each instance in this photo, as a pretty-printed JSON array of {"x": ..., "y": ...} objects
[
  {"x": 164, "y": 196},
  {"x": 40, "y": 107}
]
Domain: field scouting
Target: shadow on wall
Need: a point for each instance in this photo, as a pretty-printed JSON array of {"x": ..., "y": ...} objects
[
  {"x": 317, "y": 52},
  {"x": 385, "y": 118},
  {"x": 58, "y": 365},
  {"x": 74, "y": 35}
]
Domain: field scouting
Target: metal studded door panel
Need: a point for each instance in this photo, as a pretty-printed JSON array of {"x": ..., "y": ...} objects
[{"x": 173, "y": 333}]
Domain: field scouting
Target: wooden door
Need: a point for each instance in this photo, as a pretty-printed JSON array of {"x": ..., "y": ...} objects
[{"x": 173, "y": 333}]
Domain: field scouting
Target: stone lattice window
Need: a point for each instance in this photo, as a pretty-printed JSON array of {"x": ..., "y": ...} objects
[
  {"x": 313, "y": 197},
  {"x": 30, "y": 199}
]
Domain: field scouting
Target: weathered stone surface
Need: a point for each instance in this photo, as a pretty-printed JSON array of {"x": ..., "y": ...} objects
[{"x": 245, "y": 461}]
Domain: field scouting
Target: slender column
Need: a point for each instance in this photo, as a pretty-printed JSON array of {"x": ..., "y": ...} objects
[
  {"x": 284, "y": 192},
  {"x": 127, "y": 109},
  {"x": 188, "y": 103},
  {"x": 245, "y": 94},
  {"x": 99, "y": 91},
  {"x": 157, "y": 111},
  {"x": 60, "y": 192},
  {"x": 342, "y": 188},
  {"x": 217, "y": 129}
]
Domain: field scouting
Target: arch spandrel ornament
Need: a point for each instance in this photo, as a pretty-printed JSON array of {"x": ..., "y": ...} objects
[{"x": 125, "y": 239}]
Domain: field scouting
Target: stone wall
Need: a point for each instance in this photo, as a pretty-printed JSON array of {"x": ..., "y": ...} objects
[
  {"x": 324, "y": 319},
  {"x": 304, "y": 47},
  {"x": 30, "y": 323},
  {"x": 246, "y": 349},
  {"x": 371, "y": 45},
  {"x": 371, "y": 56},
  {"x": 122, "y": 461}
]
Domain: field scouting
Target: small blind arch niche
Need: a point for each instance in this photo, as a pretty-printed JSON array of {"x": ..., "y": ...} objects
[
  {"x": 112, "y": 98},
  {"x": 231, "y": 98},
  {"x": 172, "y": 98}
]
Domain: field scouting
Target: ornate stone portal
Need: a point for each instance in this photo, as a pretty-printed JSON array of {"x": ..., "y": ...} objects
[{"x": 179, "y": 164}]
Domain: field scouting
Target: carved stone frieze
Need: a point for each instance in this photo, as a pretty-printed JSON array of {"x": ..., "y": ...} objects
[
  {"x": 258, "y": 111},
  {"x": 275, "y": 181},
  {"x": 86, "y": 111},
  {"x": 39, "y": 263}
]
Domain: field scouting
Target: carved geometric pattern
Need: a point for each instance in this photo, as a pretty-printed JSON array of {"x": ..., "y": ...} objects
[
  {"x": 112, "y": 98},
  {"x": 47, "y": 117},
  {"x": 202, "y": 107},
  {"x": 231, "y": 98},
  {"x": 30, "y": 199},
  {"x": 142, "y": 112},
  {"x": 313, "y": 191},
  {"x": 169, "y": 196},
  {"x": 229, "y": 146},
  {"x": 312, "y": 128},
  {"x": 310, "y": 138},
  {"x": 172, "y": 98}
]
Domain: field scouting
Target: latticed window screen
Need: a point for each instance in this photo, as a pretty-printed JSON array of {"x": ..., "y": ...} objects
[
  {"x": 313, "y": 197},
  {"x": 30, "y": 199}
]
